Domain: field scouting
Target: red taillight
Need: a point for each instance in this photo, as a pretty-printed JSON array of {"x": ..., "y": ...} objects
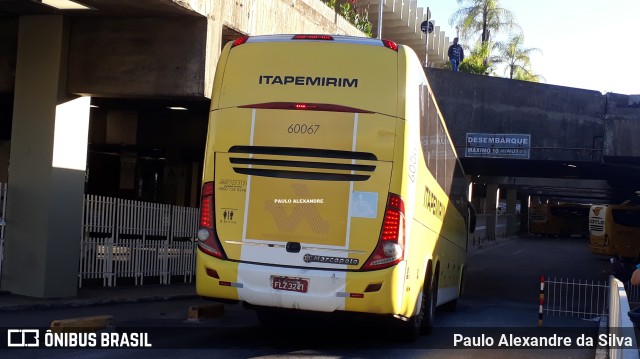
[
  {"x": 207, "y": 237},
  {"x": 304, "y": 106},
  {"x": 312, "y": 37},
  {"x": 390, "y": 44},
  {"x": 240, "y": 41},
  {"x": 390, "y": 248}
]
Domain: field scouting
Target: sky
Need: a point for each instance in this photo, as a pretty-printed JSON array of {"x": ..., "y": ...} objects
[{"x": 584, "y": 44}]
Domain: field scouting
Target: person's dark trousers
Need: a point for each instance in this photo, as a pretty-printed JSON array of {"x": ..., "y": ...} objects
[{"x": 454, "y": 64}]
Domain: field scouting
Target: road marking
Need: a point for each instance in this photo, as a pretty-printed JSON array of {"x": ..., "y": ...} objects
[{"x": 520, "y": 251}]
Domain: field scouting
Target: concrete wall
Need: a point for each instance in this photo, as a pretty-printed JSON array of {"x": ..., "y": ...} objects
[
  {"x": 622, "y": 126},
  {"x": 8, "y": 53},
  {"x": 552, "y": 115},
  {"x": 137, "y": 57}
]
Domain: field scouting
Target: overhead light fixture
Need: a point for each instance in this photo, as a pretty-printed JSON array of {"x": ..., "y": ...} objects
[
  {"x": 177, "y": 108},
  {"x": 572, "y": 166},
  {"x": 65, "y": 4}
]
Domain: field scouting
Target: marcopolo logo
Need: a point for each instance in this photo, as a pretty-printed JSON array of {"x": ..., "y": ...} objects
[{"x": 309, "y": 258}]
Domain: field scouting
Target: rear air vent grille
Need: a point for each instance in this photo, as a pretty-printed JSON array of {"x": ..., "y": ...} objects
[
  {"x": 323, "y": 165},
  {"x": 303, "y": 152}
]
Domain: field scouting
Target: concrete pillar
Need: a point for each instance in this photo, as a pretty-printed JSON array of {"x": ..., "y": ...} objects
[
  {"x": 47, "y": 167},
  {"x": 512, "y": 220},
  {"x": 491, "y": 205}
]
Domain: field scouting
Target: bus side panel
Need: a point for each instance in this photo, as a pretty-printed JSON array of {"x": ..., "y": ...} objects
[
  {"x": 597, "y": 228},
  {"x": 623, "y": 228}
]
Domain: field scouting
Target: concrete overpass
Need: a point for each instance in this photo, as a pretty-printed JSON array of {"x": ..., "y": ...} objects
[{"x": 583, "y": 145}]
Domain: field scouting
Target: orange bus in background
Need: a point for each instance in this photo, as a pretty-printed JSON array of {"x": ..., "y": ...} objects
[
  {"x": 615, "y": 230},
  {"x": 563, "y": 219}
]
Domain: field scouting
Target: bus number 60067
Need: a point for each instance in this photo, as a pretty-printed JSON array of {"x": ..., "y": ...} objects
[{"x": 303, "y": 128}]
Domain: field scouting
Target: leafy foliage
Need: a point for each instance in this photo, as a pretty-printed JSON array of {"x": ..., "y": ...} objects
[
  {"x": 487, "y": 17},
  {"x": 358, "y": 16},
  {"x": 484, "y": 16},
  {"x": 517, "y": 58}
]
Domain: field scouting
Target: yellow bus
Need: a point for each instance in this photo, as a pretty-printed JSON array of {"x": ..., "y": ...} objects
[
  {"x": 560, "y": 219},
  {"x": 615, "y": 230},
  {"x": 330, "y": 182}
]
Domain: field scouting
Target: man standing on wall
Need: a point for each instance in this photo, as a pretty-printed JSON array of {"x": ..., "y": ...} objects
[{"x": 456, "y": 54}]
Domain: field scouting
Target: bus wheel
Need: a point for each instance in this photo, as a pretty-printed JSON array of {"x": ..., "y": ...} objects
[
  {"x": 422, "y": 322},
  {"x": 429, "y": 304},
  {"x": 410, "y": 330}
]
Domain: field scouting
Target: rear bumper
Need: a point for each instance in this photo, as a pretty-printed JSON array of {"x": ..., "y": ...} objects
[{"x": 327, "y": 291}]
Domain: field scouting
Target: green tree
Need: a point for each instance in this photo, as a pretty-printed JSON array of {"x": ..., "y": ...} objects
[
  {"x": 484, "y": 17},
  {"x": 516, "y": 58},
  {"x": 475, "y": 63}
]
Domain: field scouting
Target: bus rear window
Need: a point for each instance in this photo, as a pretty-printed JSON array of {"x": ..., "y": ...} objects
[
  {"x": 626, "y": 217},
  {"x": 570, "y": 211}
]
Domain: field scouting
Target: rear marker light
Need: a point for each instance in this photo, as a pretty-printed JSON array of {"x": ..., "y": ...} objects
[
  {"x": 240, "y": 41},
  {"x": 390, "y": 44},
  {"x": 230, "y": 284},
  {"x": 212, "y": 273},
  {"x": 373, "y": 287}
]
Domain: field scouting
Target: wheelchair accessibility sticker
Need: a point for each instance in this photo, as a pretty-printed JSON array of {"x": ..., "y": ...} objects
[{"x": 364, "y": 204}]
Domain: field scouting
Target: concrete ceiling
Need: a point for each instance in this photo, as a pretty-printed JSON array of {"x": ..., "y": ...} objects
[{"x": 11, "y": 8}]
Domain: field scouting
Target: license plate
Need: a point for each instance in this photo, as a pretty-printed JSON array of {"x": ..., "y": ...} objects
[{"x": 291, "y": 284}]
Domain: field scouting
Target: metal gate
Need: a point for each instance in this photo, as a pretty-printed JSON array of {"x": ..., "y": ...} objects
[
  {"x": 585, "y": 299},
  {"x": 133, "y": 239}
]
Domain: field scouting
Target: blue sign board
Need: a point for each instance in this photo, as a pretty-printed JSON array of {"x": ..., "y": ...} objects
[{"x": 498, "y": 145}]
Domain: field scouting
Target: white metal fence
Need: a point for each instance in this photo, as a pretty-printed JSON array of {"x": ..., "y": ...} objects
[
  {"x": 577, "y": 298},
  {"x": 3, "y": 211},
  {"x": 137, "y": 240}
]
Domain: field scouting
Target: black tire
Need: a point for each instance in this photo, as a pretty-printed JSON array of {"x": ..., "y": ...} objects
[
  {"x": 410, "y": 330},
  {"x": 431, "y": 300},
  {"x": 422, "y": 322}
]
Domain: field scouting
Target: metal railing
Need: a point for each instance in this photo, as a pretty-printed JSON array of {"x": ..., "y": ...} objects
[
  {"x": 585, "y": 299},
  {"x": 619, "y": 323},
  {"x": 133, "y": 239},
  {"x": 588, "y": 299}
]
